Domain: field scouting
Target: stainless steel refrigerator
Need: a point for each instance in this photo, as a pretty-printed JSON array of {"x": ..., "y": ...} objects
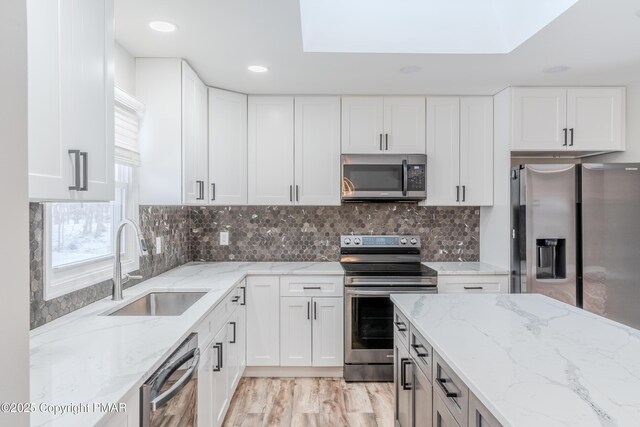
[{"x": 576, "y": 236}]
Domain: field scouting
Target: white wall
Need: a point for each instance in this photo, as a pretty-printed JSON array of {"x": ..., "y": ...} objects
[
  {"x": 632, "y": 154},
  {"x": 125, "y": 70},
  {"x": 495, "y": 241},
  {"x": 14, "y": 216}
]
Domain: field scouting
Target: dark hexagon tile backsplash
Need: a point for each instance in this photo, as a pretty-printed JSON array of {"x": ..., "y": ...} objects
[{"x": 262, "y": 233}]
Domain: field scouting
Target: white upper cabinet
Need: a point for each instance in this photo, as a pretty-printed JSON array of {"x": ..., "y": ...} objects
[
  {"x": 227, "y": 148},
  {"x": 271, "y": 155},
  {"x": 595, "y": 118},
  {"x": 443, "y": 150},
  {"x": 194, "y": 138},
  {"x": 574, "y": 119},
  {"x": 362, "y": 124},
  {"x": 317, "y": 150},
  {"x": 70, "y": 77},
  {"x": 404, "y": 125},
  {"x": 459, "y": 151},
  {"x": 173, "y": 134},
  {"x": 539, "y": 117},
  {"x": 372, "y": 125},
  {"x": 476, "y": 151}
]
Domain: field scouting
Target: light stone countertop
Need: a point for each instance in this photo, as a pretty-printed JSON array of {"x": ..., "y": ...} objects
[
  {"x": 465, "y": 268},
  {"x": 86, "y": 357},
  {"x": 534, "y": 361}
]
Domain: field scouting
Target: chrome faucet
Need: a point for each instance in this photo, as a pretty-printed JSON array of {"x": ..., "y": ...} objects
[{"x": 117, "y": 266}]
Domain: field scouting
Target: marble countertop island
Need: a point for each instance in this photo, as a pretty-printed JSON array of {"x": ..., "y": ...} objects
[
  {"x": 533, "y": 361},
  {"x": 87, "y": 357}
]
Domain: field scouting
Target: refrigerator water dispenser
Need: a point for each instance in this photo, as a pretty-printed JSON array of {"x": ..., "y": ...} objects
[{"x": 551, "y": 259}]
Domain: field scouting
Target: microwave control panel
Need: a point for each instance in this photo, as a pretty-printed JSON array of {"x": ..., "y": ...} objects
[{"x": 416, "y": 178}]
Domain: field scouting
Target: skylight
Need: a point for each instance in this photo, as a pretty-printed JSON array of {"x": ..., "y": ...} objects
[{"x": 424, "y": 26}]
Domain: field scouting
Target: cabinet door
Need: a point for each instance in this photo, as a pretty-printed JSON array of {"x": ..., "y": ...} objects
[
  {"x": 539, "y": 119},
  {"x": 263, "y": 321},
  {"x": 595, "y": 118},
  {"x": 441, "y": 415},
  {"x": 476, "y": 151},
  {"x": 403, "y": 411},
  {"x": 362, "y": 125},
  {"x": 404, "y": 125},
  {"x": 328, "y": 331},
  {"x": 233, "y": 356},
  {"x": 422, "y": 399},
  {"x": 443, "y": 151},
  {"x": 194, "y": 138},
  {"x": 271, "y": 150},
  {"x": 70, "y": 58},
  {"x": 479, "y": 415},
  {"x": 227, "y": 148},
  {"x": 220, "y": 377},
  {"x": 295, "y": 331},
  {"x": 317, "y": 150},
  {"x": 242, "y": 339}
]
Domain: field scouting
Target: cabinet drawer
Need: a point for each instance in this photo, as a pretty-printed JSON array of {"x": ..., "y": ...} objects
[
  {"x": 401, "y": 327},
  {"x": 442, "y": 417},
  {"x": 479, "y": 416},
  {"x": 421, "y": 352},
  {"x": 473, "y": 284},
  {"x": 311, "y": 286},
  {"x": 450, "y": 388}
]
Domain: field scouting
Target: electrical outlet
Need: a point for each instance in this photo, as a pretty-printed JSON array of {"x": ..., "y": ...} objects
[
  {"x": 158, "y": 245},
  {"x": 224, "y": 238}
]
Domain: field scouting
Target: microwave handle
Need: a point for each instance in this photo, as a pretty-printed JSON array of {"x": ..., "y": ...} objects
[{"x": 405, "y": 177}]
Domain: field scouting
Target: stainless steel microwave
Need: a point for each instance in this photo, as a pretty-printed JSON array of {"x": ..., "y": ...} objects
[{"x": 384, "y": 177}]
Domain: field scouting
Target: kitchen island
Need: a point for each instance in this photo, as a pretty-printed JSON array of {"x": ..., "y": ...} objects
[{"x": 525, "y": 360}]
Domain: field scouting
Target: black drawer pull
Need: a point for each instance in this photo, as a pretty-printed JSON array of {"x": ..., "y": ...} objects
[
  {"x": 477, "y": 288},
  {"x": 418, "y": 346},
  {"x": 403, "y": 328},
  {"x": 235, "y": 299},
  {"x": 447, "y": 393},
  {"x": 403, "y": 373}
]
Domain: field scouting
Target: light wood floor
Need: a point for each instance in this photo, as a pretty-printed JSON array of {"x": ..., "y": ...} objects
[{"x": 310, "y": 402}]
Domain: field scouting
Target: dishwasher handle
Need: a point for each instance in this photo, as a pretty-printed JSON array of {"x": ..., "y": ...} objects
[{"x": 161, "y": 400}]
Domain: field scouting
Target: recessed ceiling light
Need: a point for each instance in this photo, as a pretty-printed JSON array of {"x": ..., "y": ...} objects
[
  {"x": 257, "y": 68},
  {"x": 410, "y": 69},
  {"x": 163, "y": 26},
  {"x": 556, "y": 69}
]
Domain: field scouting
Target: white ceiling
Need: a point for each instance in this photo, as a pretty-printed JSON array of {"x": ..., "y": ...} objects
[{"x": 598, "y": 39}]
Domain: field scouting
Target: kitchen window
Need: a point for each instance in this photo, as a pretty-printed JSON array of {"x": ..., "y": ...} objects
[{"x": 79, "y": 237}]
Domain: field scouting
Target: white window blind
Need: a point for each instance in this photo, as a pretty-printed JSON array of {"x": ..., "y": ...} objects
[{"x": 127, "y": 115}]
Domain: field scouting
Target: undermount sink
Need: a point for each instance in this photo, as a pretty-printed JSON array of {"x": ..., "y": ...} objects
[{"x": 160, "y": 304}]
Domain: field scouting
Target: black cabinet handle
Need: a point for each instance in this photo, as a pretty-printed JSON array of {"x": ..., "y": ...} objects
[
  {"x": 291, "y": 193},
  {"x": 468, "y": 288},
  {"x": 307, "y": 288},
  {"x": 571, "y": 143},
  {"x": 236, "y": 298},
  {"x": 218, "y": 346},
  {"x": 457, "y": 193},
  {"x": 308, "y": 310},
  {"x": 85, "y": 171},
  {"x": 380, "y": 142},
  {"x": 464, "y": 193},
  {"x": 401, "y": 329},
  {"x": 386, "y": 141},
  {"x": 315, "y": 310},
  {"x": 213, "y": 191},
  {"x": 200, "y": 190},
  {"x": 297, "y": 193},
  {"x": 565, "y": 137},
  {"x": 442, "y": 382},
  {"x": 244, "y": 295},
  {"x": 418, "y": 346},
  {"x": 233, "y": 341},
  {"x": 404, "y": 362}
]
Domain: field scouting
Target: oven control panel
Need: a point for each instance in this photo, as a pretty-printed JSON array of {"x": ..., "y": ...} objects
[{"x": 379, "y": 241}]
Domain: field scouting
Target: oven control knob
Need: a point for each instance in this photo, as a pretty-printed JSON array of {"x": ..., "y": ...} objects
[
  {"x": 356, "y": 240},
  {"x": 347, "y": 241},
  {"x": 403, "y": 241},
  {"x": 413, "y": 241}
]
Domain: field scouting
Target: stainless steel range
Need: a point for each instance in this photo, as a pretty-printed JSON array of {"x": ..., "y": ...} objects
[{"x": 375, "y": 267}]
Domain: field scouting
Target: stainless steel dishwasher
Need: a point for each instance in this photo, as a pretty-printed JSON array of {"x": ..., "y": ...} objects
[{"x": 169, "y": 398}]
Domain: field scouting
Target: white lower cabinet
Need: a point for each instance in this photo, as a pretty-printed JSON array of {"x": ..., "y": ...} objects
[
  {"x": 263, "y": 321},
  {"x": 495, "y": 284},
  {"x": 311, "y": 331},
  {"x": 221, "y": 393}
]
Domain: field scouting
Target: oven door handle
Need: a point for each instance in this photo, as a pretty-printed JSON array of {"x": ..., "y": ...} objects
[
  {"x": 162, "y": 399},
  {"x": 389, "y": 292}
]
